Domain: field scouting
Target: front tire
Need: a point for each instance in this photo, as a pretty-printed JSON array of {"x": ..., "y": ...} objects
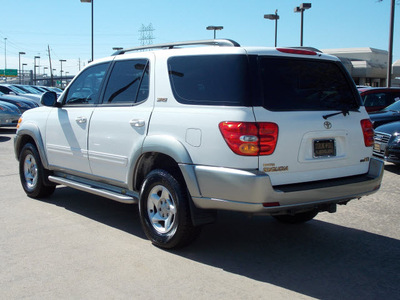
[
  {"x": 32, "y": 174},
  {"x": 165, "y": 212}
]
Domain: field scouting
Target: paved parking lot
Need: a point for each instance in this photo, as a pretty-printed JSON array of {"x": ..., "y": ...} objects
[{"x": 80, "y": 246}]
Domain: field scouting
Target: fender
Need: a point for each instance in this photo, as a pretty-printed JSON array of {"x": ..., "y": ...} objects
[
  {"x": 33, "y": 131},
  {"x": 163, "y": 144}
]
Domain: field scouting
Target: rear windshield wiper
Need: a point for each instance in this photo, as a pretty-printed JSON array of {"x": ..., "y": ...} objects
[{"x": 345, "y": 112}]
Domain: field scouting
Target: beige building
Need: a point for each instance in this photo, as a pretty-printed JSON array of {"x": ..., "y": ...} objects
[{"x": 367, "y": 66}]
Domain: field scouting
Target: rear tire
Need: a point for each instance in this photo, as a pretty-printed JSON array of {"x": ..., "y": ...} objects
[
  {"x": 32, "y": 174},
  {"x": 165, "y": 212},
  {"x": 297, "y": 218}
]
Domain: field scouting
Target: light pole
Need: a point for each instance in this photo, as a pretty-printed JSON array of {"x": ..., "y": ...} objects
[
  {"x": 276, "y": 18},
  {"x": 90, "y": 1},
  {"x": 5, "y": 58},
  {"x": 61, "y": 61},
  {"x": 34, "y": 68},
  {"x": 390, "y": 52},
  {"x": 23, "y": 76},
  {"x": 215, "y": 28},
  {"x": 301, "y": 10},
  {"x": 19, "y": 64}
]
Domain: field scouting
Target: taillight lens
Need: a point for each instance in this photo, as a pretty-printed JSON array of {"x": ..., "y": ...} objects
[
  {"x": 250, "y": 138},
  {"x": 368, "y": 131}
]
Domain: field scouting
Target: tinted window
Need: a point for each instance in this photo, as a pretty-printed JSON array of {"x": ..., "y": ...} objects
[
  {"x": 85, "y": 88},
  {"x": 293, "y": 84},
  {"x": 209, "y": 79},
  {"x": 377, "y": 99},
  {"x": 128, "y": 83}
]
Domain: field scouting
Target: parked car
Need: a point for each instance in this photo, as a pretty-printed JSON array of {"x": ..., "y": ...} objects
[
  {"x": 386, "y": 115},
  {"x": 13, "y": 90},
  {"x": 375, "y": 99},
  {"x": 9, "y": 114},
  {"x": 22, "y": 103},
  {"x": 186, "y": 129},
  {"x": 387, "y": 142}
]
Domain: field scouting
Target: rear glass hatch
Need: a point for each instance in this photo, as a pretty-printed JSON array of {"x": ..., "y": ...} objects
[{"x": 317, "y": 109}]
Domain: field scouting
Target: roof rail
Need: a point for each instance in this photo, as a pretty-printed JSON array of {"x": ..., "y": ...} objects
[{"x": 218, "y": 42}]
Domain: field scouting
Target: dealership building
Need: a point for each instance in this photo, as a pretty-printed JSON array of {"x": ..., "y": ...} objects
[{"x": 367, "y": 66}]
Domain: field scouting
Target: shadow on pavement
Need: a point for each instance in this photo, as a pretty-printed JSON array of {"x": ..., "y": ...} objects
[
  {"x": 317, "y": 259},
  {"x": 392, "y": 168}
]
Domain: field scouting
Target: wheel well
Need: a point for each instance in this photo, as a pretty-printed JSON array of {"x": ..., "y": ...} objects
[
  {"x": 23, "y": 141},
  {"x": 151, "y": 161}
]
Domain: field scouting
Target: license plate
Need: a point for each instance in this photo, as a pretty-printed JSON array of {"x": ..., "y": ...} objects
[
  {"x": 377, "y": 147},
  {"x": 324, "y": 148}
]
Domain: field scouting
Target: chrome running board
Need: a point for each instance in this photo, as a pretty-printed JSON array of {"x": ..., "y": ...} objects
[{"x": 120, "y": 197}]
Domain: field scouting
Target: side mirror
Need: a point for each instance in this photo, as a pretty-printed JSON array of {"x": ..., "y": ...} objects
[{"x": 49, "y": 99}]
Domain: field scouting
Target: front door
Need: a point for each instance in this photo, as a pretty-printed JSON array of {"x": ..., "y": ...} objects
[{"x": 67, "y": 126}]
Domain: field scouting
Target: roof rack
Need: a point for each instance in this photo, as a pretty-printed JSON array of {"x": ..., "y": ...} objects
[{"x": 218, "y": 42}]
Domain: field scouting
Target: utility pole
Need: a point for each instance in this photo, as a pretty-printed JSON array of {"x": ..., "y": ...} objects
[{"x": 390, "y": 52}]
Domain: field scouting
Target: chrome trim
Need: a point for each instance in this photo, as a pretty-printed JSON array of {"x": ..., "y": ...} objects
[{"x": 96, "y": 190}]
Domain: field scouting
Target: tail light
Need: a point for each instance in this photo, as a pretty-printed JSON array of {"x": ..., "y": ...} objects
[
  {"x": 250, "y": 138},
  {"x": 368, "y": 131}
]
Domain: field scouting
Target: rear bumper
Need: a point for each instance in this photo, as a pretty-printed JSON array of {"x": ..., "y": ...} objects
[{"x": 252, "y": 192}]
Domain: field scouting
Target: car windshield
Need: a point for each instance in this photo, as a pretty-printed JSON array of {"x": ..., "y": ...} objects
[
  {"x": 16, "y": 90},
  {"x": 394, "y": 106}
]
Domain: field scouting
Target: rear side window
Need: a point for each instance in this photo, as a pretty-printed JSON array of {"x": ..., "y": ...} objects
[
  {"x": 209, "y": 79},
  {"x": 128, "y": 82},
  {"x": 294, "y": 84}
]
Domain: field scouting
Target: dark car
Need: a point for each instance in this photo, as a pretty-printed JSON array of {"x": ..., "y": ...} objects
[
  {"x": 386, "y": 115},
  {"x": 375, "y": 99},
  {"x": 387, "y": 142},
  {"x": 22, "y": 103}
]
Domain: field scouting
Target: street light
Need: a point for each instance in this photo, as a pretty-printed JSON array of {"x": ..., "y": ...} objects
[
  {"x": 276, "y": 18},
  {"x": 215, "y": 28},
  {"x": 90, "y": 1},
  {"x": 5, "y": 58},
  {"x": 301, "y": 10},
  {"x": 390, "y": 52},
  {"x": 34, "y": 68},
  {"x": 19, "y": 64},
  {"x": 23, "y": 75},
  {"x": 61, "y": 61}
]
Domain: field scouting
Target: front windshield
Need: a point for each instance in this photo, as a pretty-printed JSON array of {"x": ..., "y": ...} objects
[
  {"x": 394, "y": 106},
  {"x": 16, "y": 90}
]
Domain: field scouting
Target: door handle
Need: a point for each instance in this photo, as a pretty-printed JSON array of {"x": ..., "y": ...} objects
[
  {"x": 137, "y": 122},
  {"x": 81, "y": 120}
]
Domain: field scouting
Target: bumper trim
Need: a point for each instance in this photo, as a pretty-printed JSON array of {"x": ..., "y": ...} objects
[{"x": 246, "y": 191}]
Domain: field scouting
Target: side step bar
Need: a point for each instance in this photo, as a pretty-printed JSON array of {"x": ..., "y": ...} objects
[{"x": 94, "y": 190}]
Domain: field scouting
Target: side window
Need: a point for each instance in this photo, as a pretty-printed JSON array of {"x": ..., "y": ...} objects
[
  {"x": 128, "y": 83},
  {"x": 86, "y": 88}
]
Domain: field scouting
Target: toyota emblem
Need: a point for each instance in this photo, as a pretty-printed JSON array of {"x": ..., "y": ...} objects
[{"x": 327, "y": 125}]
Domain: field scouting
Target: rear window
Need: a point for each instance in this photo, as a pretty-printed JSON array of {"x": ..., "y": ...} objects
[
  {"x": 210, "y": 79},
  {"x": 294, "y": 84}
]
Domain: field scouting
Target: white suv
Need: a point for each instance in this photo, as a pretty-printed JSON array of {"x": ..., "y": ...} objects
[{"x": 186, "y": 129}]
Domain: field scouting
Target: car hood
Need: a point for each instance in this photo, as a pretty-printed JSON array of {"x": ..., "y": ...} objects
[{"x": 389, "y": 128}]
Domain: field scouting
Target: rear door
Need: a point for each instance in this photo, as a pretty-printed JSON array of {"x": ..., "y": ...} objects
[
  {"x": 119, "y": 125},
  {"x": 317, "y": 110}
]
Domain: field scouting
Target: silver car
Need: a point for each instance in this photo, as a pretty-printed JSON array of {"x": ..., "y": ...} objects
[{"x": 9, "y": 114}]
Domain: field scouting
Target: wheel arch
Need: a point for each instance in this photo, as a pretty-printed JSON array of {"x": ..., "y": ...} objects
[{"x": 30, "y": 134}]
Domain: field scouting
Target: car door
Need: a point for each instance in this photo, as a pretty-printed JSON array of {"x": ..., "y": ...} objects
[
  {"x": 67, "y": 126},
  {"x": 119, "y": 125}
]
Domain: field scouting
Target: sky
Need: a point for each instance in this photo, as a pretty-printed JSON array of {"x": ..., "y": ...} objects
[{"x": 31, "y": 26}]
